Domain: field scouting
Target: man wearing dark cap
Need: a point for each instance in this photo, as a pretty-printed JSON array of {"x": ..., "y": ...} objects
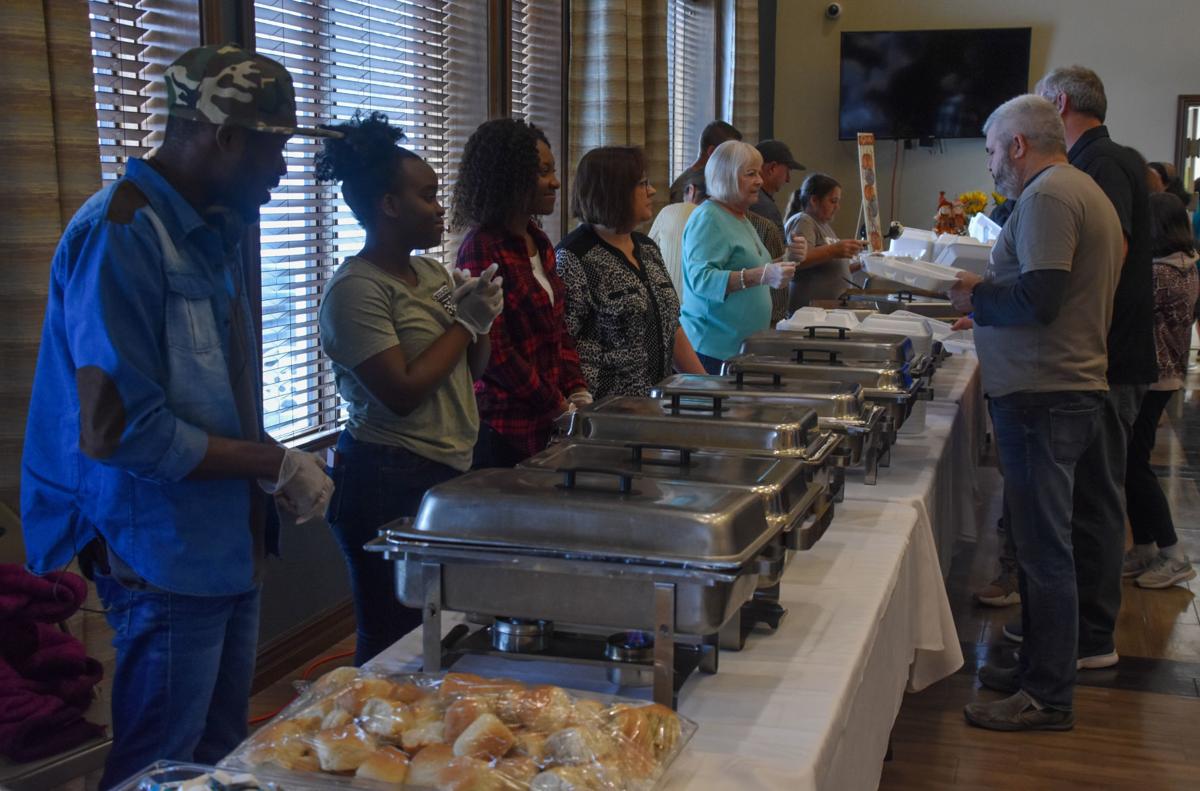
[
  {"x": 778, "y": 164},
  {"x": 145, "y": 453}
]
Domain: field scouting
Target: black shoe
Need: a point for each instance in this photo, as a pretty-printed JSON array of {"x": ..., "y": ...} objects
[
  {"x": 1013, "y": 631},
  {"x": 1018, "y": 713},
  {"x": 1001, "y": 679}
]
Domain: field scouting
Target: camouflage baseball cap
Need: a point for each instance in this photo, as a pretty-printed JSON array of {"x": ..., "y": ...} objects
[{"x": 228, "y": 85}]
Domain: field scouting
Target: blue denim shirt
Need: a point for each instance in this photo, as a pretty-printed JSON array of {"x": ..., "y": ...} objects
[{"x": 132, "y": 377}]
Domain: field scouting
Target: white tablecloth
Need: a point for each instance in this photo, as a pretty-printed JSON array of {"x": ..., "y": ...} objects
[
  {"x": 812, "y": 706},
  {"x": 935, "y": 472}
]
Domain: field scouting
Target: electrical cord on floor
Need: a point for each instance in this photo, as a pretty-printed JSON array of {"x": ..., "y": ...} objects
[{"x": 304, "y": 677}]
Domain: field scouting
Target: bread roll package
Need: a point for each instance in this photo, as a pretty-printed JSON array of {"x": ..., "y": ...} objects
[{"x": 355, "y": 729}]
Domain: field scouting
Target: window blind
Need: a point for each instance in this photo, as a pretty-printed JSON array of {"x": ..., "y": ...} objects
[
  {"x": 691, "y": 79},
  {"x": 132, "y": 44},
  {"x": 422, "y": 62},
  {"x": 537, "y": 82}
]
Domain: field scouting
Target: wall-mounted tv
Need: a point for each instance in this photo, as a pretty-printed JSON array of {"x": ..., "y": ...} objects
[{"x": 929, "y": 83}]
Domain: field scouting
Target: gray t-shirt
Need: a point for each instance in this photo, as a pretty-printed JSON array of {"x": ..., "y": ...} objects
[
  {"x": 366, "y": 311},
  {"x": 1062, "y": 221},
  {"x": 823, "y": 281}
]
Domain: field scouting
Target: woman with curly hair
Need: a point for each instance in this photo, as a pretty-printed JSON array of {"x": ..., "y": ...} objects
[
  {"x": 507, "y": 179},
  {"x": 406, "y": 338}
]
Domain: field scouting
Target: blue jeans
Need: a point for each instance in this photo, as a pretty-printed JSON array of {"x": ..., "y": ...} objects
[
  {"x": 376, "y": 484},
  {"x": 181, "y": 689},
  {"x": 1039, "y": 439}
]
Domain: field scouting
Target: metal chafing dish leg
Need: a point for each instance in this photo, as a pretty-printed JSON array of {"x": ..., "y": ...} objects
[
  {"x": 431, "y": 579},
  {"x": 664, "y": 644}
]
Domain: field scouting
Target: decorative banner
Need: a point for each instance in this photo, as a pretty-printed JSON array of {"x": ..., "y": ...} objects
[{"x": 870, "y": 195}]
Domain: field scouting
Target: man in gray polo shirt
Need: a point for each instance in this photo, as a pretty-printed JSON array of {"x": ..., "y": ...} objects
[{"x": 1042, "y": 316}]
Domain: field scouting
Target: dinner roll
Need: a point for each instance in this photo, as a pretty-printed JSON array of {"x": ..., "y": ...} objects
[
  {"x": 577, "y": 745},
  {"x": 334, "y": 679},
  {"x": 342, "y": 749},
  {"x": 486, "y": 738},
  {"x": 470, "y": 774},
  {"x": 462, "y": 713},
  {"x": 654, "y": 728},
  {"x": 568, "y": 778},
  {"x": 426, "y": 766},
  {"x": 543, "y": 708},
  {"x": 388, "y": 764},
  {"x": 384, "y": 718}
]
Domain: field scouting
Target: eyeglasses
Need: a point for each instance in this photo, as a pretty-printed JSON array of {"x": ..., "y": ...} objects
[{"x": 644, "y": 184}]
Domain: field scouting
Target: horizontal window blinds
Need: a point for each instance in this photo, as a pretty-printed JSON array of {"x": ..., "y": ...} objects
[{"x": 420, "y": 62}]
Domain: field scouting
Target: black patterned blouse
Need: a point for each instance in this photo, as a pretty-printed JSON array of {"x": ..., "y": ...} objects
[{"x": 623, "y": 318}]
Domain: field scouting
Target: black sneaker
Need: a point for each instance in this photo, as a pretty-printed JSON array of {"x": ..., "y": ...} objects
[
  {"x": 1001, "y": 679},
  {"x": 1018, "y": 713},
  {"x": 1014, "y": 631}
]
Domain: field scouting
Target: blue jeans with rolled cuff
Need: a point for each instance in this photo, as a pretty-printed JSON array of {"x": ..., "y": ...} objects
[
  {"x": 1040, "y": 438},
  {"x": 373, "y": 485},
  {"x": 181, "y": 688}
]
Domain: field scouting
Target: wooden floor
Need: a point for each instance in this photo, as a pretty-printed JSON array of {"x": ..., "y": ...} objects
[{"x": 1138, "y": 724}]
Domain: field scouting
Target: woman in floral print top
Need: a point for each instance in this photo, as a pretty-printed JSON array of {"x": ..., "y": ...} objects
[{"x": 621, "y": 307}]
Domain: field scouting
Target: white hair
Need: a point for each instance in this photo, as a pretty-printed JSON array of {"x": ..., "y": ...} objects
[
  {"x": 727, "y": 162},
  {"x": 1032, "y": 117}
]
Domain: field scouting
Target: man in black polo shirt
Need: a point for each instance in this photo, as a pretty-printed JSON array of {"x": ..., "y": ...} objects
[{"x": 1098, "y": 519}]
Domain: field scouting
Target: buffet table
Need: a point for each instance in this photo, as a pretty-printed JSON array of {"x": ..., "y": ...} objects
[
  {"x": 935, "y": 471},
  {"x": 811, "y": 706}
]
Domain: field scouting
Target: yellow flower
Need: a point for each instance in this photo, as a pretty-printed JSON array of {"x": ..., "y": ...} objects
[
  {"x": 997, "y": 198},
  {"x": 973, "y": 202}
]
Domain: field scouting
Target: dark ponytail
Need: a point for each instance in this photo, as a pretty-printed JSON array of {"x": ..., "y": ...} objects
[
  {"x": 818, "y": 185},
  {"x": 364, "y": 159}
]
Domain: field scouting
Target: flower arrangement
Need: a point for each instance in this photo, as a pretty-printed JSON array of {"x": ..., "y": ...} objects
[
  {"x": 973, "y": 202},
  {"x": 997, "y": 198}
]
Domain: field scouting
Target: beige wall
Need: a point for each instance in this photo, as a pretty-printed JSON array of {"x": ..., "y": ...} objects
[{"x": 1146, "y": 53}]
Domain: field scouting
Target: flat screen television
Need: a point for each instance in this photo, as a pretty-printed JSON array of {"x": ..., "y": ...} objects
[{"x": 929, "y": 83}]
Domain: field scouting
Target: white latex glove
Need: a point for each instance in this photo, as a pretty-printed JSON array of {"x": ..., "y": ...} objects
[
  {"x": 479, "y": 301},
  {"x": 775, "y": 275},
  {"x": 461, "y": 276},
  {"x": 797, "y": 247},
  {"x": 302, "y": 487},
  {"x": 580, "y": 399}
]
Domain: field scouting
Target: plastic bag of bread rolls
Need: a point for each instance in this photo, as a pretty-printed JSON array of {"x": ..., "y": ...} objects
[{"x": 462, "y": 732}]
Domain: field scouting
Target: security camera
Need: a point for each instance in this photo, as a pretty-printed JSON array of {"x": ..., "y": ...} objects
[{"x": 833, "y": 10}]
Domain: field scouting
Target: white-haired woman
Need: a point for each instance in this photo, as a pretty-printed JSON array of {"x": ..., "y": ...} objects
[{"x": 726, "y": 268}]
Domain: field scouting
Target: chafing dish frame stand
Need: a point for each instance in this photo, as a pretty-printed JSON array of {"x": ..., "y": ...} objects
[{"x": 668, "y": 676}]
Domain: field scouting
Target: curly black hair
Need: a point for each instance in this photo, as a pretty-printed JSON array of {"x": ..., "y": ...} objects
[
  {"x": 498, "y": 174},
  {"x": 364, "y": 159}
]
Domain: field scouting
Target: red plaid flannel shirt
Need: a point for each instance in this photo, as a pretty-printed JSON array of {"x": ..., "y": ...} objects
[{"x": 534, "y": 365}]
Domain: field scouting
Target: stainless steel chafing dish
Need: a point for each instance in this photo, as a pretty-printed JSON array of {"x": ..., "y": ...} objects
[
  {"x": 889, "y": 385},
  {"x": 591, "y": 548},
  {"x": 840, "y": 344},
  {"x": 777, "y": 430},
  {"x": 797, "y": 500},
  {"x": 839, "y": 406},
  {"x": 889, "y": 300}
]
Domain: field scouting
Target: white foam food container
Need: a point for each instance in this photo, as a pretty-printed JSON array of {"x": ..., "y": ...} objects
[
  {"x": 918, "y": 274},
  {"x": 965, "y": 253},
  {"x": 809, "y": 316},
  {"x": 914, "y": 243}
]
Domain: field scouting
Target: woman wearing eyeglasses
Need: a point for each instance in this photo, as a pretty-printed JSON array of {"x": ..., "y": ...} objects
[{"x": 621, "y": 306}]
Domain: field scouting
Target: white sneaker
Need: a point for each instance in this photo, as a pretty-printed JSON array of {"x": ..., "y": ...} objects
[
  {"x": 1136, "y": 563},
  {"x": 1165, "y": 572},
  {"x": 1097, "y": 662}
]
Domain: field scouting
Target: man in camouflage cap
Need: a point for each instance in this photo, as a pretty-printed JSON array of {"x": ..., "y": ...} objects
[{"x": 145, "y": 452}]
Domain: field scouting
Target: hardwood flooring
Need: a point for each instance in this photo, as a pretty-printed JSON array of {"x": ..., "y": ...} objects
[{"x": 1138, "y": 724}]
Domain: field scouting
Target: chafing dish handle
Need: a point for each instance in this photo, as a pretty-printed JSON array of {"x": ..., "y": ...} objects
[
  {"x": 739, "y": 379},
  {"x": 685, "y": 454},
  {"x": 824, "y": 446},
  {"x": 827, "y": 355},
  {"x": 677, "y": 402},
  {"x": 812, "y": 331},
  {"x": 569, "y": 475}
]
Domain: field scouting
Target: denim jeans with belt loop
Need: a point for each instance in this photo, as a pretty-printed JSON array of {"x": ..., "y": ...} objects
[{"x": 1039, "y": 439}]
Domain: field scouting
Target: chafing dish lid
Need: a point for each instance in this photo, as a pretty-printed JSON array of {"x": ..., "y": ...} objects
[
  {"x": 830, "y": 399},
  {"x": 593, "y": 514},
  {"x": 774, "y": 429},
  {"x": 779, "y": 481},
  {"x": 846, "y": 345},
  {"x": 888, "y": 377}
]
